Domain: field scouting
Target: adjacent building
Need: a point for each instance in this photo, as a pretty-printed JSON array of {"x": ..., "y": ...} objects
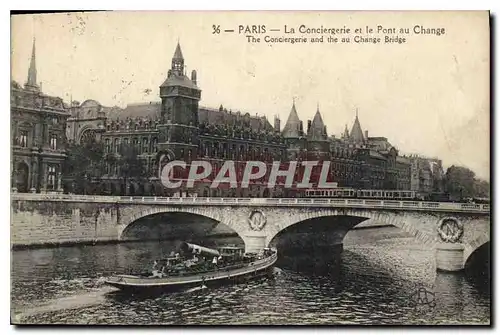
[
  {"x": 38, "y": 130},
  {"x": 427, "y": 175}
]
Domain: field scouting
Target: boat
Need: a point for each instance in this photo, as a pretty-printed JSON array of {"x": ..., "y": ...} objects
[{"x": 195, "y": 266}]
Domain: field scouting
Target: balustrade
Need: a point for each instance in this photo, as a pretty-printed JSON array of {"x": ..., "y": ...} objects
[{"x": 322, "y": 202}]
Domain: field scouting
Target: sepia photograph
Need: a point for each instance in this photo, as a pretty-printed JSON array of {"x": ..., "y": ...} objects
[{"x": 250, "y": 168}]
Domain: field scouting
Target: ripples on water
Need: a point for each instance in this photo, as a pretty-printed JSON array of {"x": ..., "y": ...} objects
[{"x": 380, "y": 270}]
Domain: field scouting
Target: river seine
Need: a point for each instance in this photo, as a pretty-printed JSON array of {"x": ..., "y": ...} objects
[{"x": 385, "y": 277}]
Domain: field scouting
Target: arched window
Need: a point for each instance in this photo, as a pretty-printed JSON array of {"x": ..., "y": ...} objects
[
  {"x": 107, "y": 144},
  {"x": 51, "y": 177},
  {"x": 135, "y": 143},
  {"x": 155, "y": 144},
  {"x": 215, "y": 149},
  {"x": 117, "y": 145}
]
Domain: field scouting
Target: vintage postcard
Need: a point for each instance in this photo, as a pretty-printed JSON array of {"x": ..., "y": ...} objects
[{"x": 250, "y": 168}]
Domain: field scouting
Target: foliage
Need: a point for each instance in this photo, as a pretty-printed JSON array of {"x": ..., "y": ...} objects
[
  {"x": 131, "y": 165},
  {"x": 87, "y": 163},
  {"x": 461, "y": 182},
  {"x": 482, "y": 188},
  {"x": 83, "y": 166}
]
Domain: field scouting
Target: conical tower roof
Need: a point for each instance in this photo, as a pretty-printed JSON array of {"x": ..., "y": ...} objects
[
  {"x": 31, "y": 82},
  {"x": 292, "y": 126},
  {"x": 356, "y": 132},
  {"x": 178, "y": 52},
  {"x": 317, "y": 130}
]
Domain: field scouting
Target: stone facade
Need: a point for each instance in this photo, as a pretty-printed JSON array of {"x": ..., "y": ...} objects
[
  {"x": 38, "y": 124},
  {"x": 426, "y": 175}
]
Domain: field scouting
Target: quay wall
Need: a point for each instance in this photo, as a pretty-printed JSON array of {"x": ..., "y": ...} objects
[{"x": 49, "y": 222}]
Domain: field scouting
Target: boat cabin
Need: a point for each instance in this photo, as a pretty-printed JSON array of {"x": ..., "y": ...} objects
[
  {"x": 231, "y": 251},
  {"x": 168, "y": 262}
]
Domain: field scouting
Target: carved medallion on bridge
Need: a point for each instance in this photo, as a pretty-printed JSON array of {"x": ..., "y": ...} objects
[
  {"x": 450, "y": 230},
  {"x": 257, "y": 220}
]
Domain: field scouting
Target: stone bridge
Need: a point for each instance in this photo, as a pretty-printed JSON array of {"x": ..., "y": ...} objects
[{"x": 456, "y": 230}]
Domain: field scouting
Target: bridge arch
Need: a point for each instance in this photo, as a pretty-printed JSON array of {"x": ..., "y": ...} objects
[
  {"x": 405, "y": 223},
  {"x": 475, "y": 244},
  {"x": 205, "y": 212}
]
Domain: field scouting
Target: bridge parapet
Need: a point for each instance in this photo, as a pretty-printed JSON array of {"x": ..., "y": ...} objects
[{"x": 279, "y": 202}]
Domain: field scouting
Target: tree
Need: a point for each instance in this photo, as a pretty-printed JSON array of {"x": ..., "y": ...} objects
[
  {"x": 83, "y": 166},
  {"x": 481, "y": 188},
  {"x": 461, "y": 182}
]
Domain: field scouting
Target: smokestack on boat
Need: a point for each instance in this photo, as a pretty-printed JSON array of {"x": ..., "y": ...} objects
[{"x": 197, "y": 249}]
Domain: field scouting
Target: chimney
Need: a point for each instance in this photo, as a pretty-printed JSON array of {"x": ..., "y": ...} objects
[
  {"x": 366, "y": 134},
  {"x": 301, "y": 128},
  {"x": 308, "y": 125},
  {"x": 277, "y": 123},
  {"x": 193, "y": 76}
]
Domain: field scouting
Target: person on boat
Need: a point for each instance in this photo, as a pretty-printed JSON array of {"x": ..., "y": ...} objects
[
  {"x": 189, "y": 263},
  {"x": 156, "y": 273}
]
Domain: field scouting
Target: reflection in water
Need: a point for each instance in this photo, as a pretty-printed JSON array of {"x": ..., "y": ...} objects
[{"x": 373, "y": 284}]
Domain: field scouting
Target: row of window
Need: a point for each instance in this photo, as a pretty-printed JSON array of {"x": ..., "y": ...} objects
[
  {"x": 247, "y": 151},
  {"x": 144, "y": 146},
  {"x": 22, "y": 140}
]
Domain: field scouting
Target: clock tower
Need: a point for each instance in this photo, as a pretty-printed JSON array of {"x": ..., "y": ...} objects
[{"x": 178, "y": 129}]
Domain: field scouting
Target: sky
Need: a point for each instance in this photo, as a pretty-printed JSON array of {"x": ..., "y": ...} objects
[{"x": 428, "y": 96}]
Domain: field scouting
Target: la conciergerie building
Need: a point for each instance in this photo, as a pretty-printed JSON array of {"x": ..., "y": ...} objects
[{"x": 177, "y": 127}]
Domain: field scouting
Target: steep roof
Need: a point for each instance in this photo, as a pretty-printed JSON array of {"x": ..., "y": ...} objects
[
  {"x": 178, "y": 52},
  {"x": 356, "y": 132},
  {"x": 148, "y": 110},
  {"x": 179, "y": 80},
  {"x": 292, "y": 126},
  {"x": 205, "y": 114},
  {"x": 31, "y": 82},
  {"x": 217, "y": 116},
  {"x": 317, "y": 130}
]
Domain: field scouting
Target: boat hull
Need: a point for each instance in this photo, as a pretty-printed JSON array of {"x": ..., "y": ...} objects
[{"x": 209, "y": 279}]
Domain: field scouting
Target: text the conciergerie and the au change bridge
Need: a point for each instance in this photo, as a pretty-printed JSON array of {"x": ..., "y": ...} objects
[{"x": 341, "y": 34}]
